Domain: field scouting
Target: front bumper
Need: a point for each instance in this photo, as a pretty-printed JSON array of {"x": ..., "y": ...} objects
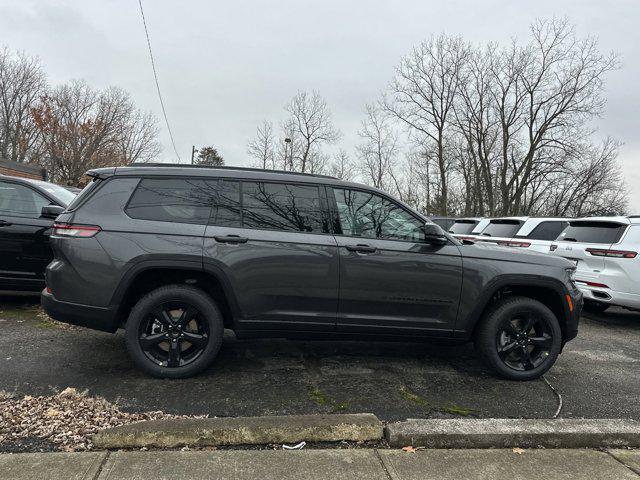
[
  {"x": 96, "y": 318},
  {"x": 573, "y": 316}
]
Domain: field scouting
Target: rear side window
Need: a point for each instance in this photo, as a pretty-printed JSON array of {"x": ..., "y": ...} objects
[
  {"x": 86, "y": 191},
  {"x": 171, "y": 200},
  {"x": 593, "y": 232},
  {"x": 281, "y": 206},
  {"x": 463, "y": 226},
  {"x": 546, "y": 231},
  {"x": 502, "y": 228}
]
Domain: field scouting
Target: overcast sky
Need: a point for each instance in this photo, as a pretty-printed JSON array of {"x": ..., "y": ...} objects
[{"x": 226, "y": 65}]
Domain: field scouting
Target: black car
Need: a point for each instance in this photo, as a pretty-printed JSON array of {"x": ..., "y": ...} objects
[
  {"x": 27, "y": 210},
  {"x": 174, "y": 254}
]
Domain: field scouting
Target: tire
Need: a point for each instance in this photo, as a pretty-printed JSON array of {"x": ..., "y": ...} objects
[
  {"x": 500, "y": 340},
  {"x": 156, "y": 321},
  {"x": 594, "y": 306}
]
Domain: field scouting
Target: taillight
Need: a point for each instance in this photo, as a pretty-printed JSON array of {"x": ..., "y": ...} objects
[
  {"x": 597, "y": 252},
  {"x": 592, "y": 284},
  {"x": 514, "y": 244},
  {"x": 82, "y": 231}
]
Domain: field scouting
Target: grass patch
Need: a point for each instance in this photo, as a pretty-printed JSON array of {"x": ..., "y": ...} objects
[
  {"x": 413, "y": 397},
  {"x": 458, "y": 410},
  {"x": 324, "y": 400}
]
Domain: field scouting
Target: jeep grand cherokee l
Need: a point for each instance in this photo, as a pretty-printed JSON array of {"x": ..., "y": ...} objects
[{"x": 175, "y": 254}]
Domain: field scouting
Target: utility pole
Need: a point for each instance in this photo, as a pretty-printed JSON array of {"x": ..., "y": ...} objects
[
  {"x": 193, "y": 153},
  {"x": 287, "y": 142}
]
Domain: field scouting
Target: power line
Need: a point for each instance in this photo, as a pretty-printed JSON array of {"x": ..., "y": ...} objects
[{"x": 155, "y": 75}]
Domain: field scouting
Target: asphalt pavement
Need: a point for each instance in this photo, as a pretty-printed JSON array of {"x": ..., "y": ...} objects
[{"x": 597, "y": 375}]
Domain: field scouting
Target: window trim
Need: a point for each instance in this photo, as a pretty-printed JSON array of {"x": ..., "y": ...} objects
[
  {"x": 34, "y": 189},
  {"x": 334, "y": 205}
]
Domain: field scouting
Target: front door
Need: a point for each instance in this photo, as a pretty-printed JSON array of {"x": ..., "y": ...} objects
[
  {"x": 391, "y": 281},
  {"x": 272, "y": 242},
  {"x": 24, "y": 237}
]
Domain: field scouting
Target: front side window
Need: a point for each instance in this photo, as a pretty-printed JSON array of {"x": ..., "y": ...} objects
[
  {"x": 280, "y": 206},
  {"x": 20, "y": 201},
  {"x": 366, "y": 215},
  {"x": 179, "y": 200},
  {"x": 225, "y": 200}
]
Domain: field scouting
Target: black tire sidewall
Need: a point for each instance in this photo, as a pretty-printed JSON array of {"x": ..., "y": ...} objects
[
  {"x": 178, "y": 293},
  {"x": 486, "y": 345}
]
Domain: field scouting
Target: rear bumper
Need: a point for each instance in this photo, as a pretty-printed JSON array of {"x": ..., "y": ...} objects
[
  {"x": 607, "y": 295},
  {"x": 96, "y": 318}
]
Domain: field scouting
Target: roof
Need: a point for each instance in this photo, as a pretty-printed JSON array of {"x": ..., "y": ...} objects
[{"x": 618, "y": 219}]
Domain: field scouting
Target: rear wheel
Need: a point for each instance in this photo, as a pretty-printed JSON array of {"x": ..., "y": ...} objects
[
  {"x": 519, "y": 338},
  {"x": 594, "y": 306},
  {"x": 174, "y": 332}
]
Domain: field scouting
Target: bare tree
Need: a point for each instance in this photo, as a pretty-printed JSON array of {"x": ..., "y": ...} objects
[
  {"x": 379, "y": 150},
  {"x": 83, "y": 128},
  {"x": 342, "y": 167},
  {"x": 261, "y": 147},
  {"x": 138, "y": 139},
  {"x": 311, "y": 125},
  {"x": 22, "y": 82},
  {"x": 422, "y": 96}
]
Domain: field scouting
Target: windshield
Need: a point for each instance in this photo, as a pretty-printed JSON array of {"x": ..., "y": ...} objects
[
  {"x": 463, "y": 226},
  {"x": 593, "y": 232},
  {"x": 64, "y": 196},
  {"x": 502, "y": 228}
]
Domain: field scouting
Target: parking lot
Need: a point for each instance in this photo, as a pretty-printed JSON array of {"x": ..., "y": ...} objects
[{"x": 597, "y": 375}]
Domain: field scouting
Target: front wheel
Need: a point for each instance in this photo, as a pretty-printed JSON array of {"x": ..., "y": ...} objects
[
  {"x": 519, "y": 338},
  {"x": 174, "y": 331}
]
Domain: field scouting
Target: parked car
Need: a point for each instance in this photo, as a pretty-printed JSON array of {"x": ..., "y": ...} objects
[
  {"x": 532, "y": 233},
  {"x": 27, "y": 210},
  {"x": 174, "y": 254},
  {"x": 605, "y": 251},
  {"x": 443, "y": 222},
  {"x": 468, "y": 228}
]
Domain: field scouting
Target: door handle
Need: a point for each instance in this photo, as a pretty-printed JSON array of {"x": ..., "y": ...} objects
[
  {"x": 361, "y": 248},
  {"x": 230, "y": 239},
  {"x": 4, "y": 223}
]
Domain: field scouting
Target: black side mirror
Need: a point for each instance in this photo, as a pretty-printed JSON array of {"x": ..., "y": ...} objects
[
  {"x": 434, "y": 235},
  {"x": 51, "y": 211}
]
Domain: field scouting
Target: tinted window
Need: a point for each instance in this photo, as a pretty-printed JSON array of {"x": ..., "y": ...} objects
[
  {"x": 502, "y": 228},
  {"x": 443, "y": 223},
  {"x": 593, "y": 232},
  {"x": 463, "y": 226},
  {"x": 171, "y": 200},
  {"x": 364, "y": 214},
  {"x": 64, "y": 196},
  {"x": 225, "y": 198},
  {"x": 276, "y": 206},
  {"x": 546, "y": 231},
  {"x": 20, "y": 201}
]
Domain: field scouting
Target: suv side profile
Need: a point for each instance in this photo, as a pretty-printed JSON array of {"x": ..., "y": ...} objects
[
  {"x": 175, "y": 254},
  {"x": 606, "y": 253},
  {"x": 533, "y": 233}
]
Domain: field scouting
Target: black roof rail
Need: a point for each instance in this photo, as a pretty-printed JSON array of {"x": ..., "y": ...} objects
[{"x": 226, "y": 167}]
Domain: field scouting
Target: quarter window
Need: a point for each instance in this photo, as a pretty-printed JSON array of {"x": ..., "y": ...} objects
[
  {"x": 20, "y": 201},
  {"x": 364, "y": 214},
  {"x": 171, "y": 200},
  {"x": 546, "y": 231},
  {"x": 286, "y": 207}
]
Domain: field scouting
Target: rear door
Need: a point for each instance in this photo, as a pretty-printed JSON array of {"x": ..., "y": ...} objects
[
  {"x": 580, "y": 236},
  {"x": 391, "y": 281},
  {"x": 24, "y": 237},
  {"x": 271, "y": 240}
]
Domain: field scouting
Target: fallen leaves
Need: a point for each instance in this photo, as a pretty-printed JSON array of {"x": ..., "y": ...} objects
[
  {"x": 518, "y": 450},
  {"x": 67, "y": 419}
]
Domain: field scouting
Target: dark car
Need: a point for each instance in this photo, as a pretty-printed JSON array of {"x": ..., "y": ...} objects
[
  {"x": 174, "y": 254},
  {"x": 27, "y": 210}
]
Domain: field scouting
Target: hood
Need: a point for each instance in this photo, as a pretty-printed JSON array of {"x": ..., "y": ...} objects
[{"x": 506, "y": 254}]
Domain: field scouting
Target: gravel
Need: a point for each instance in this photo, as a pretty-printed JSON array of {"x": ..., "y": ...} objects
[{"x": 64, "y": 421}]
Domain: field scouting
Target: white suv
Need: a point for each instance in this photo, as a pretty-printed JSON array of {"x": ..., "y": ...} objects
[
  {"x": 606, "y": 252},
  {"x": 535, "y": 234}
]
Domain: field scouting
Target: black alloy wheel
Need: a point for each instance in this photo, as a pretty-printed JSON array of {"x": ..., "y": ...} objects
[
  {"x": 174, "y": 334},
  {"x": 524, "y": 341}
]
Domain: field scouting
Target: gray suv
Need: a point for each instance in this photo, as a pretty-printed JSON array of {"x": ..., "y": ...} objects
[{"x": 175, "y": 254}]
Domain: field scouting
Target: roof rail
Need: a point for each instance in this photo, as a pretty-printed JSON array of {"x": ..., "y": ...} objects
[{"x": 226, "y": 167}]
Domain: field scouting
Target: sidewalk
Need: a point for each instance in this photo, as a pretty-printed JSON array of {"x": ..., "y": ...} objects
[{"x": 324, "y": 464}]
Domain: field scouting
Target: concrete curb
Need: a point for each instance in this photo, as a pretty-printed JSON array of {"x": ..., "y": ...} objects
[
  {"x": 174, "y": 433},
  {"x": 504, "y": 433}
]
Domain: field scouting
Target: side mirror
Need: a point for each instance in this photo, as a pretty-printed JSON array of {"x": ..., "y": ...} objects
[
  {"x": 434, "y": 235},
  {"x": 51, "y": 211}
]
